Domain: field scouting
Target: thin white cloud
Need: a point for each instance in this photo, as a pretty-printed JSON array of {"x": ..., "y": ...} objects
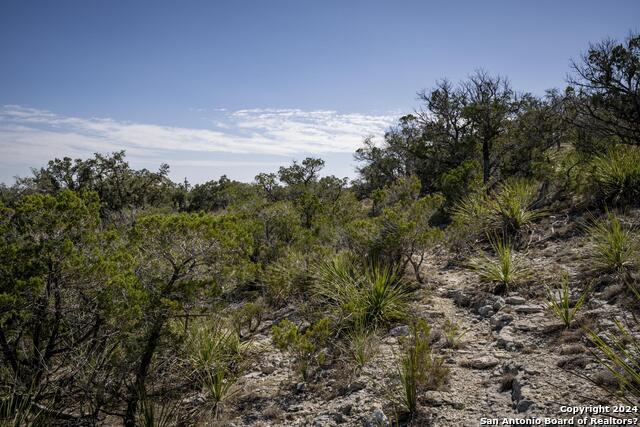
[{"x": 33, "y": 136}]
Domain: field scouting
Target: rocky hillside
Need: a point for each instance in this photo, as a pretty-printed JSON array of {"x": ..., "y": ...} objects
[{"x": 508, "y": 355}]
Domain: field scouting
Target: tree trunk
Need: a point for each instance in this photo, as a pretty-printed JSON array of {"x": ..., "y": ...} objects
[
  {"x": 142, "y": 372},
  {"x": 486, "y": 167}
]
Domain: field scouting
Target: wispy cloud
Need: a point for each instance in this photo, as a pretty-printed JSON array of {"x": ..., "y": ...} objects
[{"x": 33, "y": 135}]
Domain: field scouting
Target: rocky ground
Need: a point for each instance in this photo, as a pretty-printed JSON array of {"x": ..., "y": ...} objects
[{"x": 513, "y": 361}]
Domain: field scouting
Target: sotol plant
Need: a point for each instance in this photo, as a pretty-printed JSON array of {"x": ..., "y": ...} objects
[
  {"x": 217, "y": 358},
  {"x": 616, "y": 176},
  {"x": 619, "y": 352}
]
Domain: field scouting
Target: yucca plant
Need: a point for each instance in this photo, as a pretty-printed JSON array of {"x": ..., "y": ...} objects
[
  {"x": 156, "y": 415},
  {"x": 508, "y": 210},
  {"x": 559, "y": 302},
  {"x": 616, "y": 176},
  {"x": 217, "y": 357},
  {"x": 377, "y": 296},
  {"x": 619, "y": 352},
  {"x": 219, "y": 384},
  {"x": 615, "y": 245},
  {"x": 512, "y": 205},
  {"x": 18, "y": 410},
  {"x": 505, "y": 269}
]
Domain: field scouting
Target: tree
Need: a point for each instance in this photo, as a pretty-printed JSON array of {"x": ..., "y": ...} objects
[
  {"x": 117, "y": 184},
  {"x": 604, "y": 90},
  {"x": 175, "y": 258},
  {"x": 52, "y": 293},
  {"x": 490, "y": 105},
  {"x": 301, "y": 173}
]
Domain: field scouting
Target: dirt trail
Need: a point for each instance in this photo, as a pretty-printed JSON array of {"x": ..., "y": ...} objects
[
  {"x": 514, "y": 361},
  {"x": 508, "y": 339}
]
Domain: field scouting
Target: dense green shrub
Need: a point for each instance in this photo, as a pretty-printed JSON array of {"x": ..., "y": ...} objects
[
  {"x": 373, "y": 297},
  {"x": 616, "y": 176},
  {"x": 306, "y": 346},
  {"x": 615, "y": 245},
  {"x": 506, "y": 269}
]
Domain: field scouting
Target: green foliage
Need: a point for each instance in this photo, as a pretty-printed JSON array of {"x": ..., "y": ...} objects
[
  {"x": 619, "y": 352},
  {"x": 156, "y": 415},
  {"x": 306, "y": 346},
  {"x": 118, "y": 186},
  {"x": 284, "y": 278},
  {"x": 560, "y": 304},
  {"x": 615, "y": 246},
  {"x": 212, "y": 196},
  {"x": 458, "y": 182},
  {"x": 616, "y": 176},
  {"x": 361, "y": 345},
  {"x": 505, "y": 269},
  {"x": 19, "y": 409},
  {"x": 508, "y": 210},
  {"x": 373, "y": 297},
  {"x": 418, "y": 368},
  {"x": 248, "y": 317},
  {"x": 217, "y": 357},
  {"x": 452, "y": 333},
  {"x": 603, "y": 97}
]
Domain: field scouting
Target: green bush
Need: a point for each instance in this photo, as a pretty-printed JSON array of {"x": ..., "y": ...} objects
[
  {"x": 373, "y": 297},
  {"x": 284, "y": 278},
  {"x": 615, "y": 245},
  {"x": 506, "y": 269},
  {"x": 616, "y": 176},
  {"x": 247, "y": 318},
  {"x": 508, "y": 210},
  {"x": 559, "y": 302},
  {"x": 306, "y": 346},
  {"x": 418, "y": 368}
]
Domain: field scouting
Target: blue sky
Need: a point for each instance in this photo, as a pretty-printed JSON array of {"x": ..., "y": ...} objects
[{"x": 238, "y": 87}]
